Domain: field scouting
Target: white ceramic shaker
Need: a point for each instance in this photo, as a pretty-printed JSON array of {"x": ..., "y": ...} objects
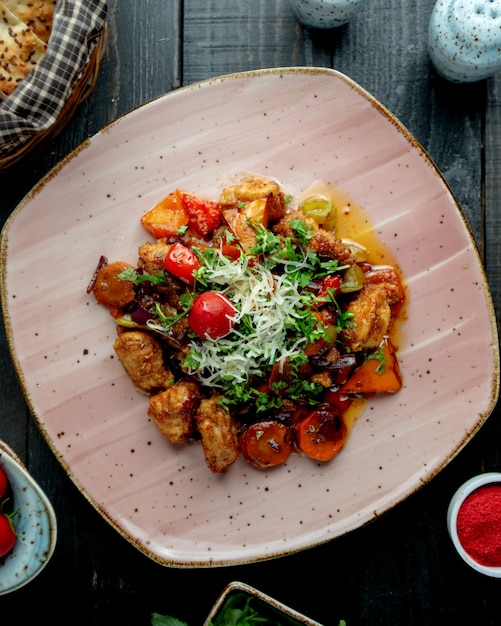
[
  {"x": 324, "y": 14},
  {"x": 464, "y": 39}
]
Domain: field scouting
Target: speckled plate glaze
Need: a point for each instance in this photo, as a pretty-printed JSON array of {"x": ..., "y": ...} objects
[
  {"x": 298, "y": 125},
  {"x": 35, "y": 524}
]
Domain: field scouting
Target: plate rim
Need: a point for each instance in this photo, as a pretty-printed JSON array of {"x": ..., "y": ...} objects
[{"x": 414, "y": 143}]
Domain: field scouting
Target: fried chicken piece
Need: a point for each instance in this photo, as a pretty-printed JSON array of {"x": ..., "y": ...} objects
[
  {"x": 142, "y": 357},
  {"x": 322, "y": 378},
  {"x": 252, "y": 202},
  {"x": 151, "y": 261},
  {"x": 373, "y": 314},
  {"x": 152, "y": 256},
  {"x": 323, "y": 242},
  {"x": 219, "y": 435},
  {"x": 173, "y": 411},
  {"x": 253, "y": 188}
]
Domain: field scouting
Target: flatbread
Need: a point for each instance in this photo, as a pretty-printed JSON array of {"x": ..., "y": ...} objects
[
  {"x": 20, "y": 50},
  {"x": 37, "y": 14}
]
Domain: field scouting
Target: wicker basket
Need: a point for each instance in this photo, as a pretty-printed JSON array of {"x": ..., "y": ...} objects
[{"x": 17, "y": 149}]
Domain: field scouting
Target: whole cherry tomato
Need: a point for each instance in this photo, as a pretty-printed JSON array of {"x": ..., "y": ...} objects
[
  {"x": 182, "y": 262},
  {"x": 211, "y": 315},
  {"x": 4, "y": 483},
  {"x": 8, "y": 534}
]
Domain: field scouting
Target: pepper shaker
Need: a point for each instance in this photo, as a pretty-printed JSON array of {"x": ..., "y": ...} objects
[
  {"x": 464, "y": 39},
  {"x": 324, "y": 14}
]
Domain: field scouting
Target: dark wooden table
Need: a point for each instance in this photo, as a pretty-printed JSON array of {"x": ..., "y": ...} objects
[{"x": 400, "y": 569}]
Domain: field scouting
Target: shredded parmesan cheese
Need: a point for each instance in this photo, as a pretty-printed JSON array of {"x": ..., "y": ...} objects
[{"x": 266, "y": 306}]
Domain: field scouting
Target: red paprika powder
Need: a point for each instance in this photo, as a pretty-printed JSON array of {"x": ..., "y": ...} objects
[{"x": 479, "y": 525}]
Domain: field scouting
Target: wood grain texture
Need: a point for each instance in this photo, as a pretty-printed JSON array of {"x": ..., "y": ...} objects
[{"x": 401, "y": 569}]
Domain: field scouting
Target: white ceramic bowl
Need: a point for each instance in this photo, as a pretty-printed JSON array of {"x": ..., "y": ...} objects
[
  {"x": 35, "y": 524},
  {"x": 455, "y": 505}
]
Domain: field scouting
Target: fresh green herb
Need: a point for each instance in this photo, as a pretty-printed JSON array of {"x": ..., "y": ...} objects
[
  {"x": 345, "y": 320},
  {"x": 267, "y": 243},
  {"x": 165, "y": 620},
  {"x": 302, "y": 231},
  {"x": 305, "y": 388},
  {"x": 228, "y": 236},
  {"x": 239, "y": 610},
  {"x": 379, "y": 356},
  {"x": 132, "y": 276},
  {"x": 236, "y": 613},
  {"x": 265, "y": 402},
  {"x": 167, "y": 320},
  {"x": 192, "y": 360},
  {"x": 330, "y": 267}
]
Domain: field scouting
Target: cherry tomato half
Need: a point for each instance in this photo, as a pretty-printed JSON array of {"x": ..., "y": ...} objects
[
  {"x": 181, "y": 262},
  {"x": 211, "y": 315}
]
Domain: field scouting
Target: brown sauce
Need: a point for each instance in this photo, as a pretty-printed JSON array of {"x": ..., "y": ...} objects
[{"x": 354, "y": 223}]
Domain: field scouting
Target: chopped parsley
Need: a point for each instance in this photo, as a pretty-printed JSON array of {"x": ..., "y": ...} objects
[
  {"x": 275, "y": 317},
  {"x": 379, "y": 356}
]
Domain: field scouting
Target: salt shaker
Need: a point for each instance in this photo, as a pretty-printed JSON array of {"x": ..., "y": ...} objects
[
  {"x": 464, "y": 39},
  {"x": 325, "y": 14}
]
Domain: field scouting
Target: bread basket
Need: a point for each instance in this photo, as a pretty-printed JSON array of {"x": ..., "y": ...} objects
[{"x": 46, "y": 99}]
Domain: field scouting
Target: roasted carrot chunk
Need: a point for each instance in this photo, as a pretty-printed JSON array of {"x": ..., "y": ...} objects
[
  {"x": 321, "y": 434},
  {"x": 111, "y": 291},
  {"x": 380, "y": 373},
  {"x": 266, "y": 443},
  {"x": 166, "y": 217}
]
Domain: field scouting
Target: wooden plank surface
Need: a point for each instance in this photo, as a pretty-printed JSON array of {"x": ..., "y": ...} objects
[{"x": 401, "y": 569}]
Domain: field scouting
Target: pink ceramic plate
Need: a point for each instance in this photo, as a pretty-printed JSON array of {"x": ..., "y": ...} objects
[{"x": 297, "y": 125}]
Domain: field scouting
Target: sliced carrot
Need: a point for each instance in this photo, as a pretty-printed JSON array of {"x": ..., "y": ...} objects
[
  {"x": 380, "y": 373},
  {"x": 111, "y": 291},
  {"x": 266, "y": 443},
  {"x": 321, "y": 434},
  {"x": 166, "y": 217}
]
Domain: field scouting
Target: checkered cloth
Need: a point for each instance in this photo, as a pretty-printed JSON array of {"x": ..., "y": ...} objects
[{"x": 38, "y": 100}]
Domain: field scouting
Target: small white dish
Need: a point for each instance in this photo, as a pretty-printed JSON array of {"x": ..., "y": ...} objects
[
  {"x": 35, "y": 524},
  {"x": 457, "y": 501}
]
